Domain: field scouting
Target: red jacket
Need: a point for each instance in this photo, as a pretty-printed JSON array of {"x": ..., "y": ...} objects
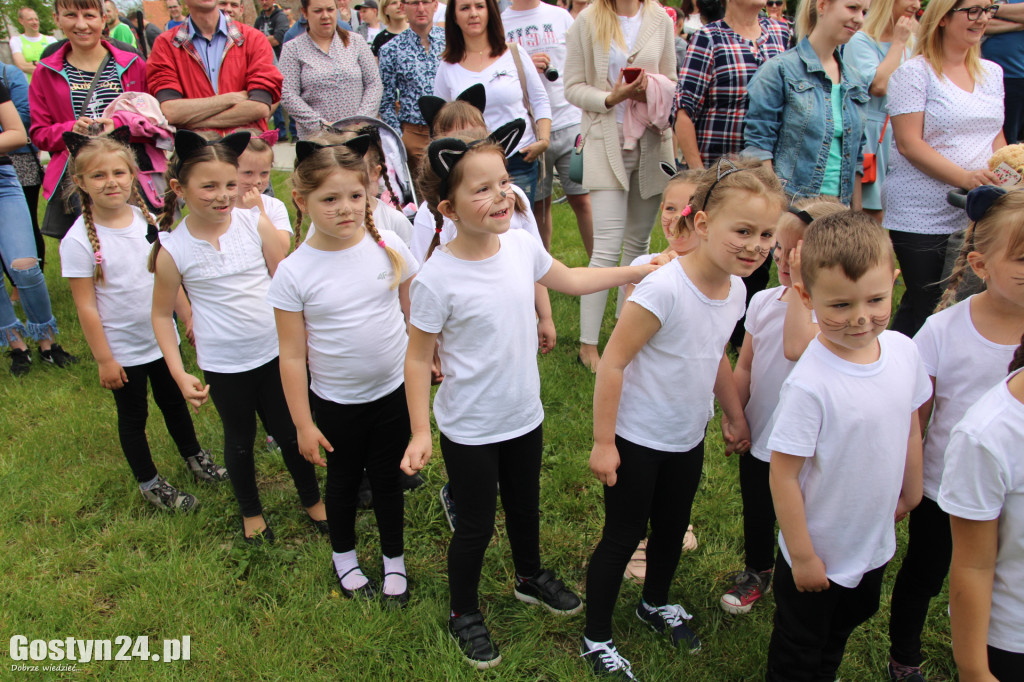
[{"x": 175, "y": 71}]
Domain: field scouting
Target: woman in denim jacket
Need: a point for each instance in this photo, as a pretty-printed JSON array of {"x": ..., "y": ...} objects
[{"x": 794, "y": 98}]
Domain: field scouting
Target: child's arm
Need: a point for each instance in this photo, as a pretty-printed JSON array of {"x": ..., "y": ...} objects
[
  {"x": 166, "y": 284},
  {"x": 798, "y": 327},
  {"x": 635, "y": 327},
  {"x": 291, "y": 337},
  {"x": 741, "y": 375},
  {"x": 273, "y": 252},
  {"x": 913, "y": 471},
  {"x": 403, "y": 298},
  {"x": 784, "y": 478},
  {"x": 734, "y": 423},
  {"x": 254, "y": 199},
  {"x": 183, "y": 309},
  {"x": 418, "y": 359},
  {"x": 580, "y": 281},
  {"x": 971, "y": 574},
  {"x": 924, "y": 413},
  {"x": 663, "y": 258},
  {"x": 546, "y": 334},
  {"x": 83, "y": 290}
]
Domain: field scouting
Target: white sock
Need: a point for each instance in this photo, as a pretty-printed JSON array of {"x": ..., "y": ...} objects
[
  {"x": 591, "y": 645},
  {"x": 345, "y": 562},
  {"x": 394, "y": 584}
]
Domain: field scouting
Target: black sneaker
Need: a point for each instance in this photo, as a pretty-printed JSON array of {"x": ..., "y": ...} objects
[
  {"x": 448, "y": 506},
  {"x": 205, "y": 469},
  {"x": 905, "y": 673},
  {"x": 544, "y": 588},
  {"x": 57, "y": 356},
  {"x": 21, "y": 361},
  {"x": 670, "y": 619},
  {"x": 165, "y": 496},
  {"x": 474, "y": 640},
  {"x": 606, "y": 661}
]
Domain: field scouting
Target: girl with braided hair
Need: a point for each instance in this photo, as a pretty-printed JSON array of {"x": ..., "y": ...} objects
[
  {"x": 103, "y": 255},
  {"x": 966, "y": 348}
]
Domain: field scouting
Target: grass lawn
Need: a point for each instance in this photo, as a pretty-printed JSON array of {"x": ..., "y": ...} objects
[{"x": 83, "y": 556}]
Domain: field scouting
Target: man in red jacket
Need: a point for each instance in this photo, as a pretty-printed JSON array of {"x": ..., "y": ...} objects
[{"x": 212, "y": 73}]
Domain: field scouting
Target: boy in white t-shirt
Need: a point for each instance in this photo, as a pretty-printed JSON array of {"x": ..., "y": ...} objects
[{"x": 846, "y": 449}]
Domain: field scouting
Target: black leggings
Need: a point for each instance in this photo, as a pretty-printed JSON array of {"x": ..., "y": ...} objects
[
  {"x": 758, "y": 513},
  {"x": 921, "y": 259},
  {"x": 929, "y": 550},
  {"x": 237, "y": 396},
  {"x": 133, "y": 410},
  {"x": 474, "y": 473},
  {"x": 1005, "y": 666},
  {"x": 371, "y": 436},
  {"x": 652, "y": 486}
]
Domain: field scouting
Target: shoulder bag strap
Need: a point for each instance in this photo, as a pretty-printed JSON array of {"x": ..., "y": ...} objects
[
  {"x": 92, "y": 86},
  {"x": 514, "y": 47}
]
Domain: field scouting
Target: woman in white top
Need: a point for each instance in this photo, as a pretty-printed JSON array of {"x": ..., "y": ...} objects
[
  {"x": 946, "y": 148},
  {"x": 476, "y": 52}
]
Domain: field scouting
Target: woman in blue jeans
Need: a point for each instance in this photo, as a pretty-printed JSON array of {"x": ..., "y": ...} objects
[
  {"x": 808, "y": 107},
  {"x": 18, "y": 251}
]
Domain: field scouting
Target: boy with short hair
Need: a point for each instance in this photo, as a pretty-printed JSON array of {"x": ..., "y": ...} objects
[{"x": 846, "y": 448}]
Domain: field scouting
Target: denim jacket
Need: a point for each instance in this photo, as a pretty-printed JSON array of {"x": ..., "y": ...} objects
[{"x": 790, "y": 120}]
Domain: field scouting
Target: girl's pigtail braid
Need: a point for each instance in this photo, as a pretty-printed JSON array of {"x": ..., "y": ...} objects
[
  {"x": 166, "y": 220},
  {"x": 94, "y": 240},
  {"x": 297, "y": 227},
  {"x": 959, "y": 270},
  {"x": 395, "y": 201},
  {"x": 140, "y": 203},
  {"x": 438, "y": 225},
  {"x": 397, "y": 264},
  {"x": 1018, "y": 357}
]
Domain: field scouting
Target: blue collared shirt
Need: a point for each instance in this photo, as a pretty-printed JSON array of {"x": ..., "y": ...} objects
[
  {"x": 407, "y": 72},
  {"x": 211, "y": 51}
]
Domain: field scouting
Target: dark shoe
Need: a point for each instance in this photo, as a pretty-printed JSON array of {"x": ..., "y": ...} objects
[
  {"x": 395, "y": 600},
  {"x": 448, "y": 506},
  {"x": 606, "y": 661},
  {"x": 165, "y": 496},
  {"x": 367, "y": 591},
  {"x": 205, "y": 469},
  {"x": 544, "y": 588},
  {"x": 749, "y": 587},
  {"x": 411, "y": 482},
  {"x": 57, "y": 356},
  {"x": 21, "y": 361},
  {"x": 905, "y": 673},
  {"x": 262, "y": 537},
  {"x": 320, "y": 525},
  {"x": 474, "y": 640},
  {"x": 670, "y": 619}
]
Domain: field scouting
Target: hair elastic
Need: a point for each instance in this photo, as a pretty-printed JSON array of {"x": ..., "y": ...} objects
[
  {"x": 97, "y": 258},
  {"x": 687, "y": 210},
  {"x": 801, "y": 214},
  {"x": 381, "y": 244}
]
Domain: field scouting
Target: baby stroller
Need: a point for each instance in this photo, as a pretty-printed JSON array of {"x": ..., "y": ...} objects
[{"x": 399, "y": 189}]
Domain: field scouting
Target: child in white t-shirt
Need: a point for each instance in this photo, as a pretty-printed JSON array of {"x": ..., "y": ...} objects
[
  {"x": 343, "y": 294},
  {"x": 846, "y": 449},
  {"x": 648, "y": 434},
  {"x": 965, "y": 349},
  {"x": 776, "y": 320},
  {"x": 475, "y": 298},
  {"x": 254, "y": 167},
  {"x": 982, "y": 490},
  {"x": 104, "y": 256}
]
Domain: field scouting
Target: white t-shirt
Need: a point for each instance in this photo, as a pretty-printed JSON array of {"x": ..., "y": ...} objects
[
  {"x": 619, "y": 59},
  {"x": 852, "y": 423},
  {"x": 504, "y": 94},
  {"x": 124, "y": 298},
  {"x": 684, "y": 353},
  {"x": 959, "y": 125},
  {"x": 543, "y": 29},
  {"x": 424, "y": 226},
  {"x": 371, "y": 33},
  {"x": 766, "y": 317},
  {"x": 965, "y": 365},
  {"x": 385, "y": 217},
  {"x": 17, "y": 46},
  {"x": 484, "y": 312},
  {"x": 278, "y": 213},
  {"x": 983, "y": 481},
  {"x": 439, "y": 13},
  {"x": 232, "y": 321},
  {"x": 355, "y": 326}
]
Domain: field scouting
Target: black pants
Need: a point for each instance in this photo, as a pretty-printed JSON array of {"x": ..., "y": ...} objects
[
  {"x": 133, "y": 410},
  {"x": 237, "y": 396},
  {"x": 371, "y": 436},
  {"x": 921, "y": 258},
  {"x": 758, "y": 513},
  {"x": 811, "y": 628},
  {"x": 474, "y": 473},
  {"x": 1006, "y": 666},
  {"x": 1013, "y": 125},
  {"x": 652, "y": 486},
  {"x": 754, "y": 282},
  {"x": 929, "y": 550}
]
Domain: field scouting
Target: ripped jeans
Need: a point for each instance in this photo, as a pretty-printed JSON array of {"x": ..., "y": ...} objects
[{"x": 17, "y": 246}]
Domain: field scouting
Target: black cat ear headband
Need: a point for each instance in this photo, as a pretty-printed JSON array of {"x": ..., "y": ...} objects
[
  {"x": 430, "y": 105},
  {"x": 358, "y": 144},
  {"x": 74, "y": 142},
  {"x": 448, "y": 151},
  {"x": 187, "y": 144}
]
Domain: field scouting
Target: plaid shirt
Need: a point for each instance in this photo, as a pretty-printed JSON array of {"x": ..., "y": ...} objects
[
  {"x": 713, "y": 78},
  {"x": 407, "y": 72}
]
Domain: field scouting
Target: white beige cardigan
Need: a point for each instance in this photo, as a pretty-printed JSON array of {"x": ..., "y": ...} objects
[{"x": 587, "y": 86}]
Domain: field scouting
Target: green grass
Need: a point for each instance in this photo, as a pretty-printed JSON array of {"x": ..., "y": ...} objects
[{"x": 83, "y": 556}]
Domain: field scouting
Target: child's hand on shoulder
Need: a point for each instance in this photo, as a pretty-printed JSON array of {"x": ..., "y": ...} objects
[
  {"x": 809, "y": 575},
  {"x": 253, "y": 199},
  {"x": 194, "y": 391},
  {"x": 418, "y": 453},
  {"x": 665, "y": 257},
  {"x": 112, "y": 375},
  {"x": 310, "y": 439},
  {"x": 604, "y": 462},
  {"x": 736, "y": 435},
  {"x": 546, "y": 335}
]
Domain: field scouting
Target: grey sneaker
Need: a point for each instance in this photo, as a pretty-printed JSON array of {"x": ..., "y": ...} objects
[
  {"x": 205, "y": 469},
  {"x": 165, "y": 496}
]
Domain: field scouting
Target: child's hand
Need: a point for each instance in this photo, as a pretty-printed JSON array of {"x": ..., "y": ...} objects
[
  {"x": 436, "y": 375},
  {"x": 902, "y": 509},
  {"x": 736, "y": 435},
  {"x": 809, "y": 575},
  {"x": 310, "y": 439},
  {"x": 112, "y": 375},
  {"x": 253, "y": 199},
  {"x": 604, "y": 462},
  {"x": 194, "y": 391},
  {"x": 665, "y": 257},
  {"x": 190, "y": 335},
  {"x": 417, "y": 454},
  {"x": 546, "y": 335},
  {"x": 794, "y": 264}
]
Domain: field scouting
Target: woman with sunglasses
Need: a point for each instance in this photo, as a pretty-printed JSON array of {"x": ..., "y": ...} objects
[
  {"x": 947, "y": 148},
  {"x": 776, "y": 9}
]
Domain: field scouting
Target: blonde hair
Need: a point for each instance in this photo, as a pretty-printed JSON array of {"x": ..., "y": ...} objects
[
  {"x": 849, "y": 240},
  {"x": 879, "y": 19},
  {"x": 680, "y": 227},
  {"x": 103, "y": 146},
  {"x": 806, "y": 18},
  {"x": 734, "y": 174},
  {"x": 606, "y": 22},
  {"x": 457, "y": 115},
  {"x": 930, "y": 36},
  {"x": 1004, "y": 217},
  {"x": 312, "y": 171},
  {"x": 815, "y": 207}
]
